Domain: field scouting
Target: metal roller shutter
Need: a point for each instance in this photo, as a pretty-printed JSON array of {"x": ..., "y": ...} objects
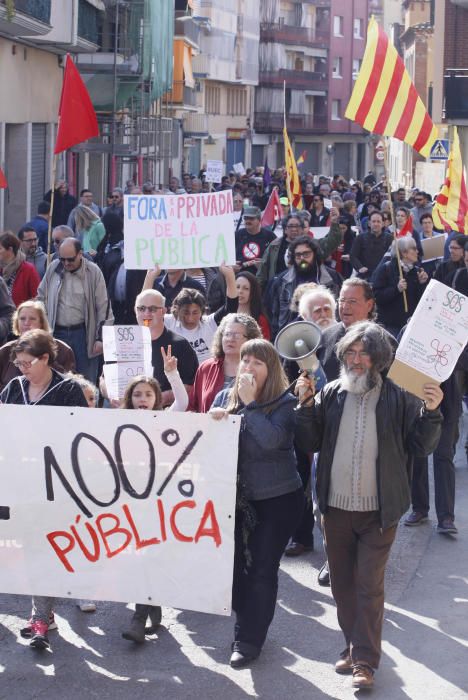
[{"x": 38, "y": 165}]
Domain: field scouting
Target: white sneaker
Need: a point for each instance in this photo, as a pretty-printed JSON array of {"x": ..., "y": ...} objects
[{"x": 86, "y": 605}]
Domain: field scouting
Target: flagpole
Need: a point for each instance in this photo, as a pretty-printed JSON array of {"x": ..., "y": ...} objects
[
  {"x": 288, "y": 187},
  {"x": 392, "y": 214},
  {"x": 52, "y": 198}
]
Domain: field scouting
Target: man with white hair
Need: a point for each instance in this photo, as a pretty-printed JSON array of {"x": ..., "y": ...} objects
[
  {"x": 319, "y": 306},
  {"x": 367, "y": 430},
  {"x": 150, "y": 307}
]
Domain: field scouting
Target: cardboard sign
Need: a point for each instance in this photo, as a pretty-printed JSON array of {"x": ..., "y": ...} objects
[
  {"x": 214, "y": 170},
  {"x": 433, "y": 248},
  {"x": 118, "y": 505},
  {"x": 433, "y": 340},
  {"x": 179, "y": 231}
]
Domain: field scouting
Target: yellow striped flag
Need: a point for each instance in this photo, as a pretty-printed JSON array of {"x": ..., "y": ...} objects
[
  {"x": 301, "y": 158},
  {"x": 384, "y": 99},
  {"x": 293, "y": 183},
  {"x": 450, "y": 210}
]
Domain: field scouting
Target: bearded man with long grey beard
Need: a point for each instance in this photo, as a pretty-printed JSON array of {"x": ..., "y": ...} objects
[{"x": 366, "y": 429}]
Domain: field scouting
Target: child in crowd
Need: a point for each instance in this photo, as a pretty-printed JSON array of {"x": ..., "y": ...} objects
[{"x": 144, "y": 392}]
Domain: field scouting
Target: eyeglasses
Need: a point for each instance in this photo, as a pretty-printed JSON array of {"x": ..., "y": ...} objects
[
  {"x": 294, "y": 226},
  {"x": 151, "y": 309},
  {"x": 69, "y": 260},
  {"x": 115, "y": 196},
  {"x": 25, "y": 364},
  {"x": 30, "y": 240},
  {"x": 305, "y": 254},
  {"x": 359, "y": 354},
  {"x": 233, "y": 335}
]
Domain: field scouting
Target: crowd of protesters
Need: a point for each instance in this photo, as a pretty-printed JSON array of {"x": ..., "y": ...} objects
[{"x": 345, "y": 260}]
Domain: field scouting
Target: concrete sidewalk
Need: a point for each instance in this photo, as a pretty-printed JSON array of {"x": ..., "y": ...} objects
[{"x": 425, "y": 637}]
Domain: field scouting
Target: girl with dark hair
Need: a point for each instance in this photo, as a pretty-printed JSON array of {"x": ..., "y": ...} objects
[
  {"x": 188, "y": 318},
  {"x": 270, "y": 498},
  {"x": 250, "y": 300},
  {"x": 144, "y": 393}
]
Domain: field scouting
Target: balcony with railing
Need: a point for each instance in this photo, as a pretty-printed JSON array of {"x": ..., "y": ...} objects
[
  {"x": 25, "y": 17},
  {"x": 280, "y": 33},
  {"x": 318, "y": 3},
  {"x": 196, "y": 124},
  {"x": 296, "y": 79},
  {"x": 181, "y": 96},
  {"x": 186, "y": 28},
  {"x": 273, "y": 122}
]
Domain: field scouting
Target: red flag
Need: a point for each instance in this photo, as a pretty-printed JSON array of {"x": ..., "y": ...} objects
[
  {"x": 273, "y": 210},
  {"x": 3, "y": 180},
  {"x": 407, "y": 228},
  {"x": 77, "y": 118}
]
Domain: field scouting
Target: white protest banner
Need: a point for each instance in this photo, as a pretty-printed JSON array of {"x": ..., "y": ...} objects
[
  {"x": 117, "y": 376},
  {"x": 214, "y": 170},
  {"x": 126, "y": 343},
  {"x": 179, "y": 231},
  {"x": 131, "y": 506},
  {"x": 433, "y": 340}
]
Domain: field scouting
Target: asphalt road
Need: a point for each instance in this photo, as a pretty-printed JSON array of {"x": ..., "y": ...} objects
[{"x": 424, "y": 651}]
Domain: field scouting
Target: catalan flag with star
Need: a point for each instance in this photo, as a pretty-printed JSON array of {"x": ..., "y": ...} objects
[
  {"x": 293, "y": 183},
  {"x": 384, "y": 100}
]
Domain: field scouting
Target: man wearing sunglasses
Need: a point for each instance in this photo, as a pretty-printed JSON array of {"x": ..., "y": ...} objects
[
  {"x": 117, "y": 203},
  {"x": 75, "y": 295},
  {"x": 422, "y": 205}
]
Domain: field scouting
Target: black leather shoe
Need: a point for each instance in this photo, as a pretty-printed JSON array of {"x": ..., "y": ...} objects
[
  {"x": 239, "y": 660},
  {"x": 323, "y": 577}
]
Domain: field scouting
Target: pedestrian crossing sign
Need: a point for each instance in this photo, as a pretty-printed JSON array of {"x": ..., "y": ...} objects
[{"x": 440, "y": 150}]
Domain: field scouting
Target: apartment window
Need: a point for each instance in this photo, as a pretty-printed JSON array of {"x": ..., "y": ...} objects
[
  {"x": 236, "y": 101},
  {"x": 336, "y": 109},
  {"x": 357, "y": 62},
  {"x": 358, "y": 28},
  {"x": 212, "y": 99},
  {"x": 337, "y": 67},
  {"x": 337, "y": 25}
]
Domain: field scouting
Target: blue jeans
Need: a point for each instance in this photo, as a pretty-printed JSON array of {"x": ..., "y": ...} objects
[{"x": 77, "y": 340}]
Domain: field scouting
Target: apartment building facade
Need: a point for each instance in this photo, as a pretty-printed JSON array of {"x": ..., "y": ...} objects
[
  {"x": 225, "y": 71},
  {"x": 310, "y": 55},
  {"x": 31, "y": 71}
]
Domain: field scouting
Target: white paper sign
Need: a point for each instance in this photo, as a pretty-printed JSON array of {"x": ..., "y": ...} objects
[
  {"x": 327, "y": 203},
  {"x": 179, "y": 231},
  {"x": 126, "y": 343},
  {"x": 214, "y": 170},
  {"x": 118, "y": 375},
  {"x": 239, "y": 168},
  {"x": 117, "y": 505},
  {"x": 437, "y": 332}
]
